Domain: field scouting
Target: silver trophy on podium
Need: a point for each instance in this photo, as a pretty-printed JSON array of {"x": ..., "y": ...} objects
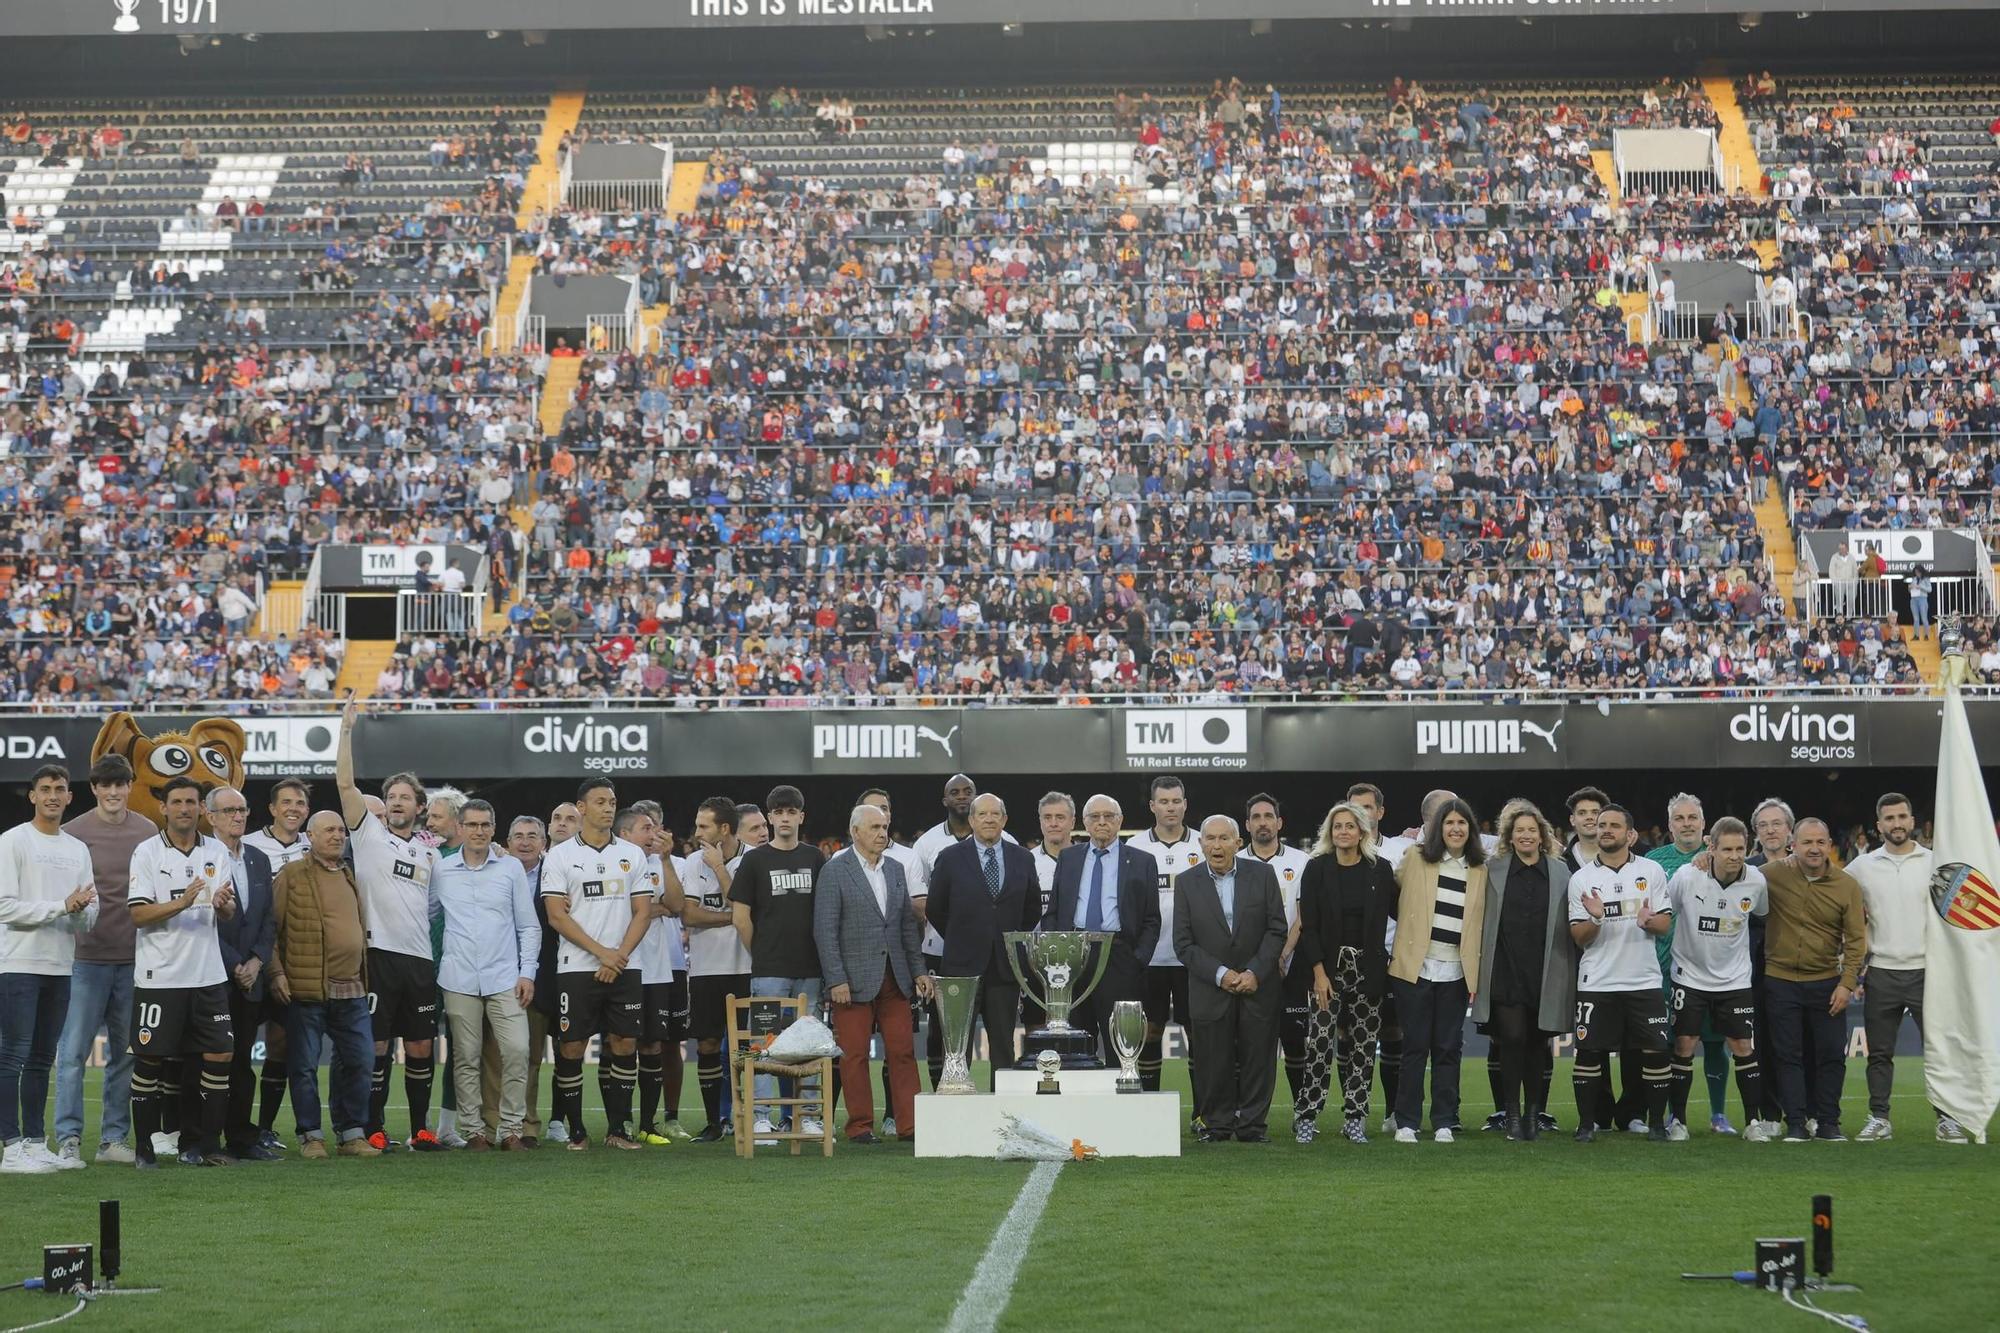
[
  {"x": 957, "y": 1002},
  {"x": 1128, "y": 1036},
  {"x": 1058, "y": 957}
]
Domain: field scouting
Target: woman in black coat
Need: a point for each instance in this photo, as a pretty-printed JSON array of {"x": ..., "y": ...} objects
[{"x": 1345, "y": 897}]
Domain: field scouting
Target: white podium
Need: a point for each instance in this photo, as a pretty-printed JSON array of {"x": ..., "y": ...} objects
[{"x": 1138, "y": 1124}]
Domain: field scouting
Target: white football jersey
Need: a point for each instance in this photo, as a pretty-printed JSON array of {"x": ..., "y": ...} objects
[
  {"x": 1289, "y": 865},
  {"x": 181, "y": 952},
  {"x": 1172, "y": 858},
  {"x": 1623, "y": 956},
  {"x": 394, "y": 876},
  {"x": 601, "y": 885},
  {"x": 1045, "y": 873},
  {"x": 277, "y": 853},
  {"x": 659, "y": 954},
  {"x": 713, "y": 951},
  {"x": 1712, "y": 928}
]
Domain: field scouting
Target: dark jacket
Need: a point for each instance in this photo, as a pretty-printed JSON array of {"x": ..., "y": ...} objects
[
  {"x": 970, "y": 918},
  {"x": 252, "y": 928},
  {"x": 1138, "y": 905},
  {"x": 1203, "y": 940},
  {"x": 1559, "y": 954},
  {"x": 1321, "y": 933}
]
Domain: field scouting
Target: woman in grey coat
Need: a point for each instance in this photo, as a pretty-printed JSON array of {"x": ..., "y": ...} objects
[{"x": 1527, "y": 959}]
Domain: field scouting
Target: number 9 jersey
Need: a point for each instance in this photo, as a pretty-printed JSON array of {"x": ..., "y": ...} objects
[{"x": 601, "y": 885}]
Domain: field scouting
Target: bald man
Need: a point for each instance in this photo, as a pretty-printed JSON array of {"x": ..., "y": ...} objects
[
  {"x": 1229, "y": 932},
  {"x": 980, "y": 889}
]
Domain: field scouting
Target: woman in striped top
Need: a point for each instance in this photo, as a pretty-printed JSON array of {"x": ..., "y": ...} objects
[{"x": 1441, "y": 901}]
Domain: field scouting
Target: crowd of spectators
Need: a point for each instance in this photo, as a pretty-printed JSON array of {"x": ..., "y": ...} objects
[{"x": 1319, "y": 400}]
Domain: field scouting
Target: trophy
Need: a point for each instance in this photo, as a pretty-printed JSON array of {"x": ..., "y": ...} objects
[
  {"x": 1057, "y": 956},
  {"x": 1050, "y": 1066},
  {"x": 956, "y": 1003},
  {"x": 126, "y": 20},
  {"x": 1128, "y": 1035}
]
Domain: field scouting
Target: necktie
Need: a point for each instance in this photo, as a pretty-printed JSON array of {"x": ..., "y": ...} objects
[
  {"x": 1093, "y": 912},
  {"x": 992, "y": 873}
]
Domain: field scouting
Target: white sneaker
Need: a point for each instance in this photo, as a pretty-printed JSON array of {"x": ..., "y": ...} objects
[
  {"x": 1760, "y": 1131},
  {"x": 888, "y": 1127},
  {"x": 1635, "y": 1127},
  {"x": 16, "y": 1160},
  {"x": 166, "y": 1146},
  {"x": 1389, "y": 1124},
  {"x": 762, "y": 1125},
  {"x": 68, "y": 1156},
  {"x": 1406, "y": 1136},
  {"x": 1677, "y": 1133},
  {"x": 1877, "y": 1129},
  {"x": 451, "y": 1138},
  {"x": 120, "y": 1153},
  {"x": 1443, "y": 1135},
  {"x": 1812, "y": 1126},
  {"x": 1948, "y": 1131},
  {"x": 811, "y": 1127}
]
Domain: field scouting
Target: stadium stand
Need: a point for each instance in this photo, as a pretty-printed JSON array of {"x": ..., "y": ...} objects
[{"x": 1051, "y": 392}]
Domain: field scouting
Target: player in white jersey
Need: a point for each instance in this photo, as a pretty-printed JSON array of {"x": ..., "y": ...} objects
[
  {"x": 1263, "y": 821},
  {"x": 718, "y": 964},
  {"x": 48, "y": 896},
  {"x": 1617, "y": 904},
  {"x": 1174, "y": 847},
  {"x": 662, "y": 965},
  {"x": 283, "y": 841},
  {"x": 1711, "y": 953},
  {"x": 393, "y": 865},
  {"x": 601, "y": 904},
  {"x": 181, "y": 882}
]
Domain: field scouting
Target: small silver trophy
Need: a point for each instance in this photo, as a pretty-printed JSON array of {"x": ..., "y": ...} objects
[
  {"x": 1128, "y": 1036},
  {"x": 1050, "y": 1065},
  {"x": 956, "y": 1006}
]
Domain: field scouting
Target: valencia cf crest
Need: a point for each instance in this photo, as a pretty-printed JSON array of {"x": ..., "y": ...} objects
[
  {"x": 145, "y": 1035},
  {"x": 1743, "y": 903},
  {"x": 1289, "y": 872},
  {"x": 1193, "y": 857},
  {"x": 1582, "y": 1034},
  {"x": 1965, "y": 897},
  {"x": 624, "y": 866},
  {"x": 208, "y": 869},
  {"x": 1641, "y": 883}
]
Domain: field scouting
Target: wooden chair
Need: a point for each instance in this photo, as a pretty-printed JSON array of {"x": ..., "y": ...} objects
[{"x": 752, "y": 1022}]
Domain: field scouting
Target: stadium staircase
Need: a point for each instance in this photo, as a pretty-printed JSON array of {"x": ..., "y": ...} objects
[
  {"x": 279, "y": 612},
  {"x": 683, "y": 194},
  {"x": 565, "y": 110},
  {"x": 1607, "y": 171},
  {"x": 1740, "y": 152},
  {"x": 1775, "y": 526},
  {"x": 362, "y": 665},
  {"x": 558, "y": 391}
]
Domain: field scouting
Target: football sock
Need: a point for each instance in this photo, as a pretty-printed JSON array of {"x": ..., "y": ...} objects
[
  {"x": 708, "y": 1073},
  {"x": 1680, "y": 1083},
  {"x": 1149, "y": 1065},
  {"x": 652, "y": 1082},
  {"x": 615, "y": 1080},
  {"x": 673, "y": 1079},
  {"x": 378, "y": 1094},
  {"x": 1591, "y": 1087},
  {"x": 1656, "y": 1070},
  {"x": 214, "y": 1104},
  {"x": 145, "y": 1106},
  {"x": 1750, "y": 1083},
  {"x": 417, "y": 1073},
  {"x": 566, "y": 1104},
  {"x": 273, "y": 1081},
  {"x": 1715, "y": 1068}
]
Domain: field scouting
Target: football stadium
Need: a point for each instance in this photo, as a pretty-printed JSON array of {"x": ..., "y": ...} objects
[{"x": 976, "y": 664}]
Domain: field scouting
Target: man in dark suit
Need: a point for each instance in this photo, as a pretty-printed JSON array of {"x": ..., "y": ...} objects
[
  {"x": 980, "y": 889},
  {"x": 1104, "y": 885},
  {"x": 245, "y": 939},
  {"x": 869, "y": 958},
  {"x": 1229, "y": 930}
]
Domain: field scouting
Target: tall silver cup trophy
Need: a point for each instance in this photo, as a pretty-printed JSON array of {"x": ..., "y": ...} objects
[
  {"x": 955, "y": 1001},
  {"x": 1058, "y": 958},
  {"x": 1128, "y": 1035}
]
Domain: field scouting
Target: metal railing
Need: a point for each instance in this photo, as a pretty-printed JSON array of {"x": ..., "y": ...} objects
[
  {"x": 1848, "y": 599},
  {"x": 608, "y": 333},
  {"x": 1680, "y": 322},
  {"x": 445, "y": 613},
  {"x": 327, "y": 612}
]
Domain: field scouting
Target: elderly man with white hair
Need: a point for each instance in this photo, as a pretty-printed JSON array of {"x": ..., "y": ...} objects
[
  {"x": 1229, "y": 931},
  {"x": 868, "y": 940},
  {"x": 1102, "y": 884},
  {"x": 979, "y": 890}
]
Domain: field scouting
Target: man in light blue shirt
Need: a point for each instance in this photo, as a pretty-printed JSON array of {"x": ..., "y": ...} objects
[{"x": 486, "y": 968}]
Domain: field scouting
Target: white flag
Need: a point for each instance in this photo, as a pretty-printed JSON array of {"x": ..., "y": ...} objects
[{"x": 1962, "y": 947}]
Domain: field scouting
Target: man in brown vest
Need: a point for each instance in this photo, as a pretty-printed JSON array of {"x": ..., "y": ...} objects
[{"x": 317, "y": 968}]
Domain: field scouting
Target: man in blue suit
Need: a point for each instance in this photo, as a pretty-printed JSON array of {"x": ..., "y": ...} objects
[
  {"x": 246, "y": 939},
  {"x": 1102, "y": 884},
  {"x": 980, "y": 889}
]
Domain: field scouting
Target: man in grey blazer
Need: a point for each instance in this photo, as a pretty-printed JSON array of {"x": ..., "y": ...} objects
[
  {"x": 1229, "y": 930},
  {"x": 868, "y": 939}
]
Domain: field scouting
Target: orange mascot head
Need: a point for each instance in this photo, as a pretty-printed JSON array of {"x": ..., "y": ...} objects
[{"x": 210, "y": 752}]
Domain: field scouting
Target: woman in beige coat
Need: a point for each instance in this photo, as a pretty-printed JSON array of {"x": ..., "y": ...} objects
[{"x": 1441, "y": 902}]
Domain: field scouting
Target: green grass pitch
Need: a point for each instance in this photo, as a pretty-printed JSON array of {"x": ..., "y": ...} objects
[{"x": 1478, "y": 1235}]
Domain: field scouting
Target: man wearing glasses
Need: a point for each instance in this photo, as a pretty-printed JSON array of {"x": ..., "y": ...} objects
[{"x": 246, "y": 940}]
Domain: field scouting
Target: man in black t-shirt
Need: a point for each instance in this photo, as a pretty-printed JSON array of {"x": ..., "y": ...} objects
[{"x": 771, "y": 899}]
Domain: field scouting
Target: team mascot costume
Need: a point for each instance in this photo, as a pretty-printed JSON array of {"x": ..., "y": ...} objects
[{"x": 210, "y": 752}]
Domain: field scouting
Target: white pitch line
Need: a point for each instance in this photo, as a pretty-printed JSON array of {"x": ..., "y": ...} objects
[{"x": 992, "y": 1285}]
